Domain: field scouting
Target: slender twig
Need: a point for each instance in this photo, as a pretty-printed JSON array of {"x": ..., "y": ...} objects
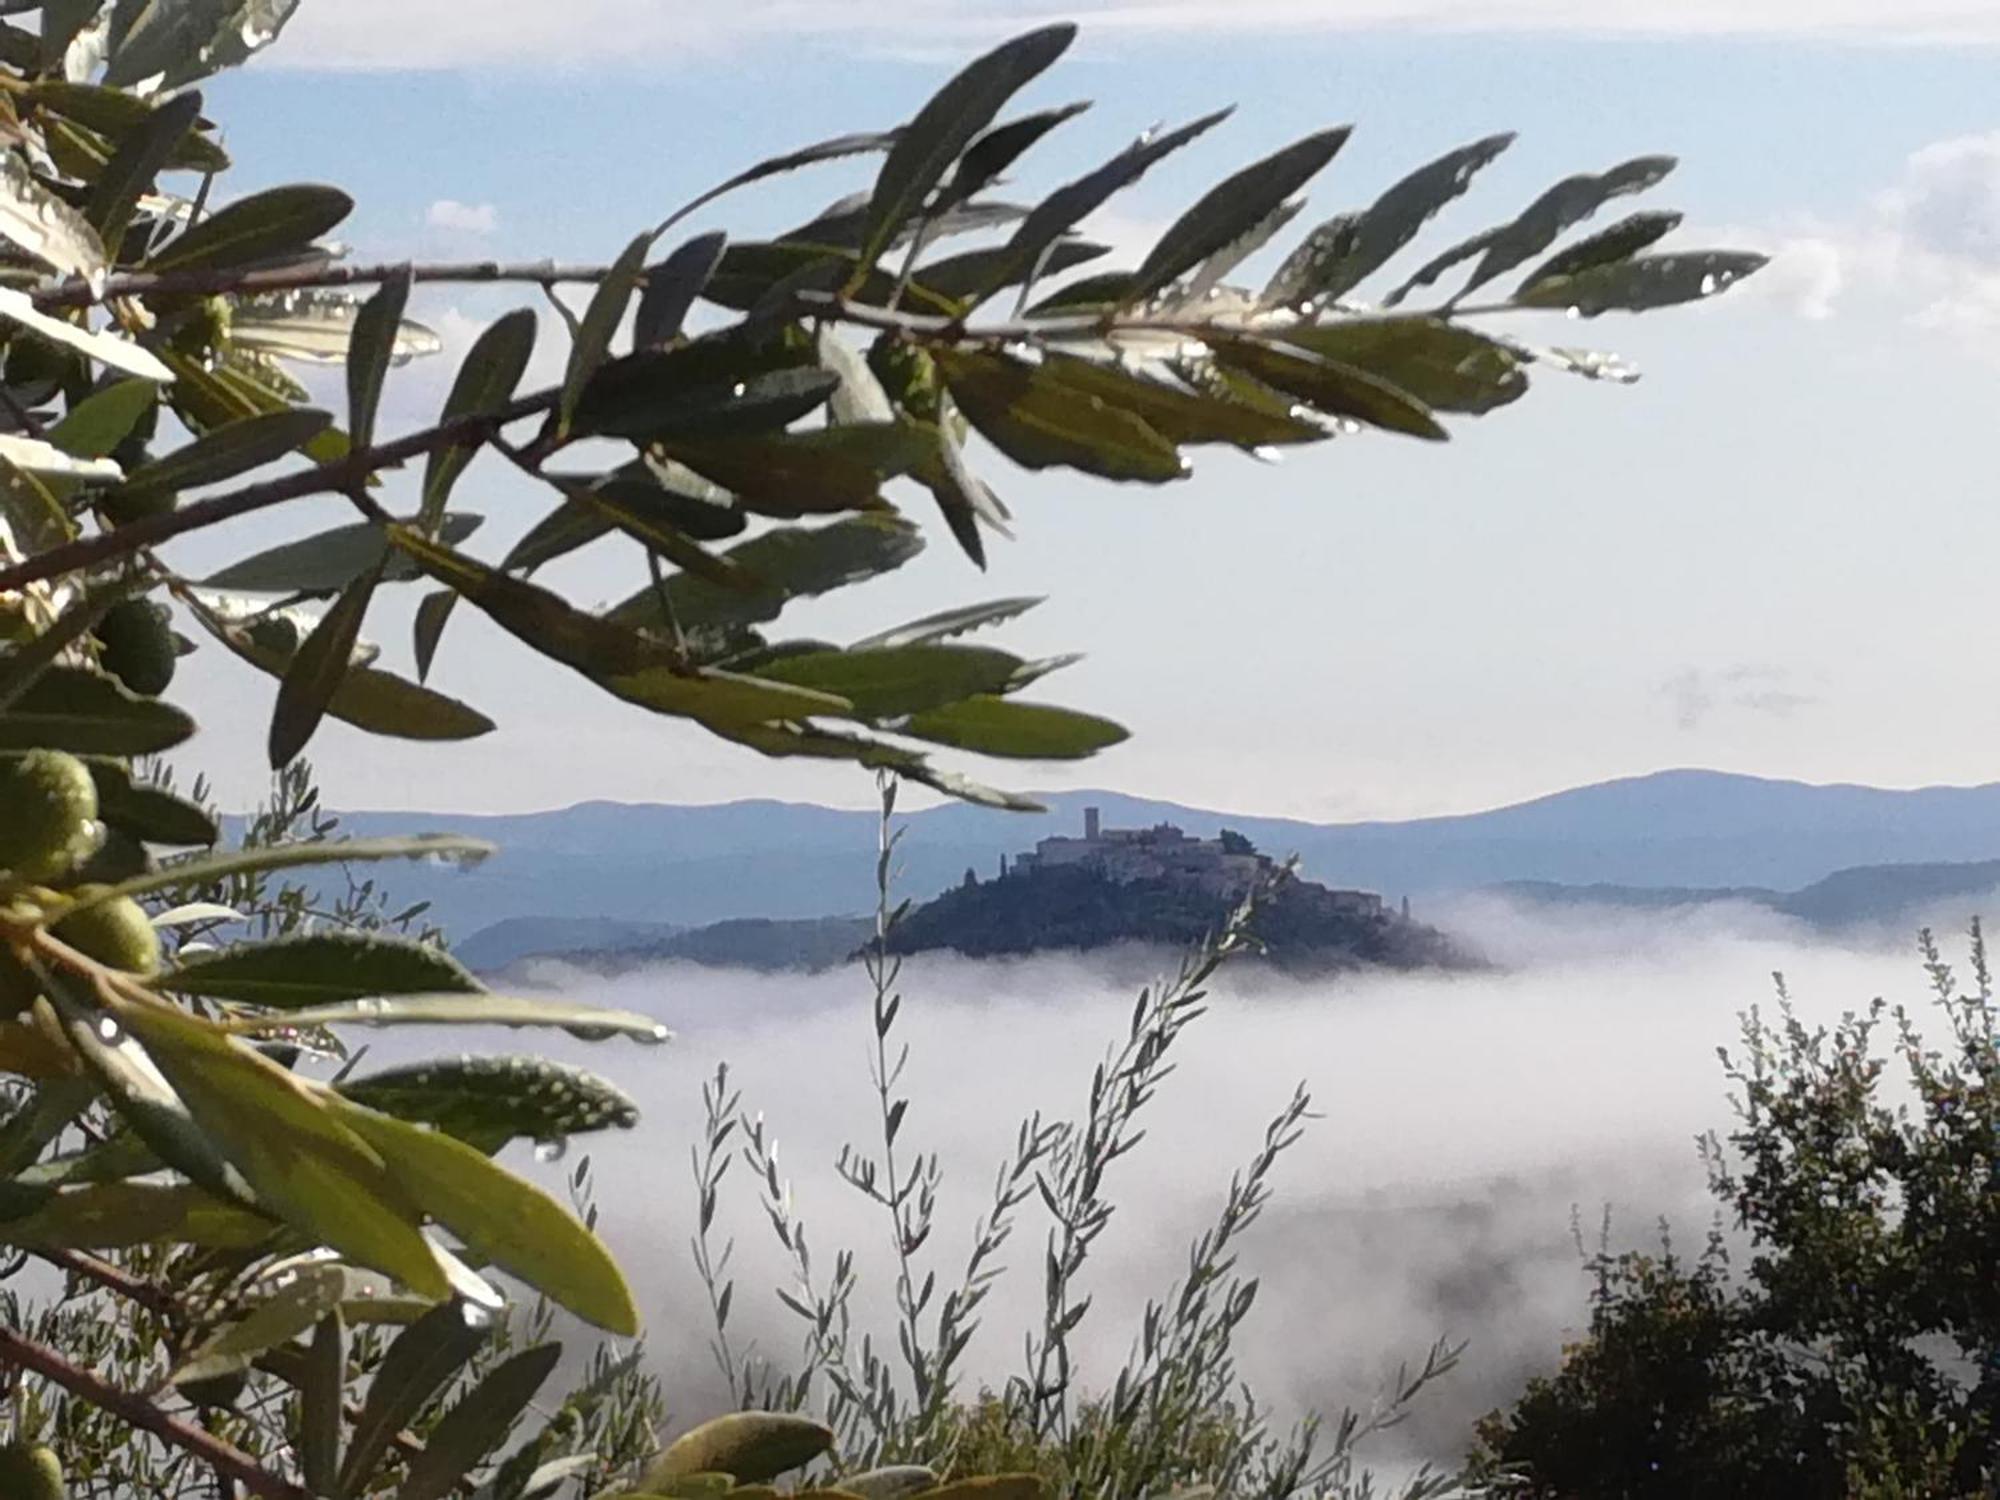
[
  {"x": 17, "y": 1349},
  {"x": 336, "y": 478},
  {"x": 322, "y": 276},
  {"x": 112, "y": 1278}
]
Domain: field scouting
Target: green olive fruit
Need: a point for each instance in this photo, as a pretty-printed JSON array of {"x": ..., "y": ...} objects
[
  {"x": 116, "y": 933},
  {"x": 138, "y": 646},
  {"x": 48, "y": 813},
  {"x": 29, "y": 1471}
]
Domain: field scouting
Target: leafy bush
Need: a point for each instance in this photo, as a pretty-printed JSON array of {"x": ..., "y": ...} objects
[
  {"x": 160, "y": 994},
  {"x": 1856, "y": 1354}
]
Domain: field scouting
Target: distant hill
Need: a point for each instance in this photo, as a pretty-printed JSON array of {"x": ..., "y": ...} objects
[
  {"x": 1077, "y": 907},
  {"x": 744, "y": 943},
  {"x": 691, "y": 866},
  {"x": 1868, "y": 895}
]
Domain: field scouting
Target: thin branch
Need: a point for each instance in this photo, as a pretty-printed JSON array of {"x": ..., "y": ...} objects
[
  {"x": 337, "y": 478},
  {"x": 326, "y": 275},
  {"x": 112, "y": 1278},
  {"x": 141, "y": 1413}
]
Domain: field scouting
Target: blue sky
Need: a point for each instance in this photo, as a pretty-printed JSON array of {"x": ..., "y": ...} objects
[{"x": 1774, "y": 554}]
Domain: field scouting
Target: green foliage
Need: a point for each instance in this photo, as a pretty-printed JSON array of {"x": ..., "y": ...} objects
[
  {"x": 172, "y": 1138},
  {"x": 1854, "y": 1355}
]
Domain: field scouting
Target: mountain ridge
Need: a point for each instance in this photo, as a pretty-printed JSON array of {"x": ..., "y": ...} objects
[{"x": 692, "y": 865}]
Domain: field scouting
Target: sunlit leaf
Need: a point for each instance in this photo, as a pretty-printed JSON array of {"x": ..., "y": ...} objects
[
  {"x": 1332, "y": 387},
  {"x": 1041, "y": 422},
  {"x": 46, "y": 226},
  {"x": 1003, "y": 727},
  {"x": 320, "y": 968},
  {"x": 1620, "y": 241},
  {"x": 500, "y": 1218},
  {"x": 1445, "y": 365},
  {"x": 259, "y": 227},
  {"x": 106, "y": 348}
]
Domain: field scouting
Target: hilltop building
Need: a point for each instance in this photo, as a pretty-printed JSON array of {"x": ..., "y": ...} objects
[{"x": 1225, "y": 866}]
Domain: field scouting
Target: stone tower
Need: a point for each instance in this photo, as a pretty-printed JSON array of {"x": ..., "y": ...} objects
[{"x": 1090, "y": 823}]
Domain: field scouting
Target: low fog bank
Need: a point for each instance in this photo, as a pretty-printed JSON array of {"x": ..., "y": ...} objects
[{"x": 1465, "y": 1118}]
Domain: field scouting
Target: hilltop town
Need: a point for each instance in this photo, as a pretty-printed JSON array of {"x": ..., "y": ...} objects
[{"x": 1159, "y": 885}]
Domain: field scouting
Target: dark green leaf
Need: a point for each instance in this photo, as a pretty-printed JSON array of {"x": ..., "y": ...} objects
[
  {"x": 646, "y": 398},
  {"x": 974, "y": 271},
  {"x": 1102, "y": 289},
  {"x": 1349, "y": 248},
  {"x": 1210, "y": 272},
  {"x": 886, "y": 682},
  {"x": 759, "y": 274},
  {"x": 367, "y": 697},
  {"x": 90, "y": 713},
  {"x": 624, "y": 662},
  {"x": 806, "y": 156},
  {"x": 947, "y": 624},
  {"x": 321, "y": 968},
  {"x": 140, "y": 156},
  {"x": 600, "y": 322},
  {"x": 486, "y": 382},
  {"x": 1337, "y": 389},
  {"x": 789, "y": 562},
  {"x": 432, "y": 613},
  {"x": 1621, "y": 241},
  {"x": 261, "y": 227},
  {"x": 148, "y": 813},
  {"x": 926, "y": 148},
  {"x": 488, "y": 1101},
  {"x": 672, "y": 285},
  {"x": 478, "y": 1423},
  {"x": 1003, "y": 727},
  {"x": 122, "y": 1215},
  {"x": 999, "y": 148},
  {"x": 1180, "y": 416},
  {"x": 1040, "y": 421},
  {"x": 224, "y": 452},
  {"x": 1568, "y": 203},
  {"x": 501, "y": 1219},
  {"x": 808, "y": 473},
  {"x": 1447, "y": 366},
  {"x": 102, "y": 420},
  {"x": 1235, "y": 205},
  {"x": 1645, "y": 282},
  {"x": 962, "y": 496},
  {"x": 1069, "y": 205},
  {"x": 322, "y": 1386},
  {"x": 1428, "y": 273},
  {"x": 371, "y": 347},
  {"x": 23, "y": 665},
  {"x": 329, "y": 561},
  {"x": 316, "y": 672},
  {"x": 423, "y": 1358}
]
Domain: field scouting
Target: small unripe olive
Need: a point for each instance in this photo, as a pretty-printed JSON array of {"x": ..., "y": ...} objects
[
  {"x": 116, "y": 933},
  {"x": 48, "y": 813},
  {"x": 29, "y": 1471}
]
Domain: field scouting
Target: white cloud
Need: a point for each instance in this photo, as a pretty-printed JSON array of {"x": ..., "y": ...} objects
[
  {"x": 443, "y": 34},
  {"x": 462, "y": 218},
  {"x": 1694, "y": 694}
]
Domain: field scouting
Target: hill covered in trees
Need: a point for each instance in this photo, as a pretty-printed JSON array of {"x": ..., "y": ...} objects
[{"x": 1158, "y": 886}]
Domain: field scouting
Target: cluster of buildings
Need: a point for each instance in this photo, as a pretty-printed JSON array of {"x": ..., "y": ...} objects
[{"x": 1225, "y": 866}]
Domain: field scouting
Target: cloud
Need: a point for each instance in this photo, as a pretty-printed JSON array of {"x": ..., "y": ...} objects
[
  {"x": 462, "y": 218},
  {"x": 1693, "y": 694},
  {"x": 445, "y": 34},
  {"x": 1464, "y": 1118}
]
